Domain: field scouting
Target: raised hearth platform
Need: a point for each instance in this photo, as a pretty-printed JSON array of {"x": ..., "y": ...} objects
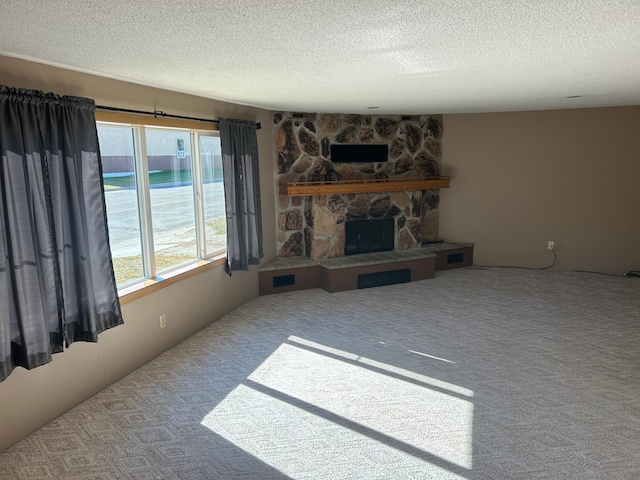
[{"x": 361, "y": 271}]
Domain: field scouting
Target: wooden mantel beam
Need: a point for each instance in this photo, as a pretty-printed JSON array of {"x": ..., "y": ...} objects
[{"x": 299, "y": 189}]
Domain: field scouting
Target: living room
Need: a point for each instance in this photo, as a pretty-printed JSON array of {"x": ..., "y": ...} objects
[{"x": 519, "y": 179}]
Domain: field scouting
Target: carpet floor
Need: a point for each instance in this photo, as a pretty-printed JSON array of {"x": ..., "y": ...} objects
[{"x": 475, "y": 374}]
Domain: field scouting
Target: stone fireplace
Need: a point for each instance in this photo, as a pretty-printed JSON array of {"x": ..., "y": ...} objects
[{"x": 314, "y": 225}]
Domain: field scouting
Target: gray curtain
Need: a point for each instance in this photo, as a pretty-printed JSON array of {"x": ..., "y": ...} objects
[
  {"x": 56, "y": 276},
  {"x": 241, "y": 174}
]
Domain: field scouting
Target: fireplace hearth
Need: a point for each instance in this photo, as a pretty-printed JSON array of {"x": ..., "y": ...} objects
[{"x": 368, "y": 236}]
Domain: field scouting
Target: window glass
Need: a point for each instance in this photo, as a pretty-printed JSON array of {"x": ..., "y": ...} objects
[
  {"x": 160, "y": 217},
  {"x": 171, "y": 197},
  {"x": 121, "y": 198},
  {"x": 213, "y": 193}
]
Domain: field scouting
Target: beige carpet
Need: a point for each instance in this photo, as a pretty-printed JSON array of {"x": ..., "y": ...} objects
[{"x": 476, "y": 374}]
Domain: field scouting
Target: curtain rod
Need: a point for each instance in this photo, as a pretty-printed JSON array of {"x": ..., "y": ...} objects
[{"x": 160, "y": 113}]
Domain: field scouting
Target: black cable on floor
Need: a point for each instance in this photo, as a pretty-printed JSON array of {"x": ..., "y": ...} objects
[
  {"x": 601, "y": 273},
  {"x": 555, "y": 259}
]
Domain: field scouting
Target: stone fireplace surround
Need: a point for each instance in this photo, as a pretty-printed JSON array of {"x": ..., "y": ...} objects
[{"x": 313, "y": 226}]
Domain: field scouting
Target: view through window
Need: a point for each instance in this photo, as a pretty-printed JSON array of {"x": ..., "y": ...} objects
[{"x": 164, "y": 196}]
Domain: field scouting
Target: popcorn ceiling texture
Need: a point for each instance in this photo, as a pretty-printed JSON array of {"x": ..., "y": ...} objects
[
  {"x": 410, "y": 57},
  {"x": 314, "y": 226}
]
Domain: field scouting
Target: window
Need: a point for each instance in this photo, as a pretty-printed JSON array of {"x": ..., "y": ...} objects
[{"x": 164, "y": 197}]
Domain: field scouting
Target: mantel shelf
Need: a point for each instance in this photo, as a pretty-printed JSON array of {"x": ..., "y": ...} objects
[{"x": 300, "y": 189}]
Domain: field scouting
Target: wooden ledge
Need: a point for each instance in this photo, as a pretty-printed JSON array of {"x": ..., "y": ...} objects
[{"x": 299, "y": 189}]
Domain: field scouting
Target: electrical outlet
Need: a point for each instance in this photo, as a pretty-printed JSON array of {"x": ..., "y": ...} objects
[
  {"x": 551, "y": 245},
  {"x": 163, "y": 320}
]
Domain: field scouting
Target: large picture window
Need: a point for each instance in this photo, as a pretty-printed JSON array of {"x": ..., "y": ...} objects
[{"x": 164, "y": 197}]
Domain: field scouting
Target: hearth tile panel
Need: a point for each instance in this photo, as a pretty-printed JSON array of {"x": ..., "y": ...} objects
[
  {"x": 284, "y": 263},
  {"x": 374, "y": 259},
  {"x": 427, "y": 251},
  {"x": 437, "y": 247}
]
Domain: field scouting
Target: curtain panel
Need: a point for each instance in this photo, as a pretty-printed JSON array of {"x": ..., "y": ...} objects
[
  {"x": 240, "y": 167},
  {"x": 56, "y": 274}
]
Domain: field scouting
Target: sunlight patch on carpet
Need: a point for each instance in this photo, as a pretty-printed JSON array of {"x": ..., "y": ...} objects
[
  {"x": 301, "y": 400},
  {"x": 301, "y": 444},
  {"x": 385, "y": 366}
]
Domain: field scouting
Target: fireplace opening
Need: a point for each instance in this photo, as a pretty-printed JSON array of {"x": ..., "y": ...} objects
[{"x": 367, "y": 236}]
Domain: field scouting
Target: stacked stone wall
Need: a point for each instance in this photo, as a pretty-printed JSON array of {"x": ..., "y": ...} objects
[{"x": 313, "y": 226}]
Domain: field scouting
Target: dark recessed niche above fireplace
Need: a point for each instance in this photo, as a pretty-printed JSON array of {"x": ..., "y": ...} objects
[{"x": 359, "y": 153}]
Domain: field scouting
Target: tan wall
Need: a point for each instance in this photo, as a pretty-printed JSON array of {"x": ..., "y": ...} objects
[
  {"x": 521, "y": 179},
  {"x": 30, "y": 399}
]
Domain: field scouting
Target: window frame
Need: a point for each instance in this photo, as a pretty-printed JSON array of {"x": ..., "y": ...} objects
[{"x": 151, "y": 282}]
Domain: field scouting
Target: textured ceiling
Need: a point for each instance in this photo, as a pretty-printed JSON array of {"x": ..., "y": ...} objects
[{"x": 410, "y": 57}]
